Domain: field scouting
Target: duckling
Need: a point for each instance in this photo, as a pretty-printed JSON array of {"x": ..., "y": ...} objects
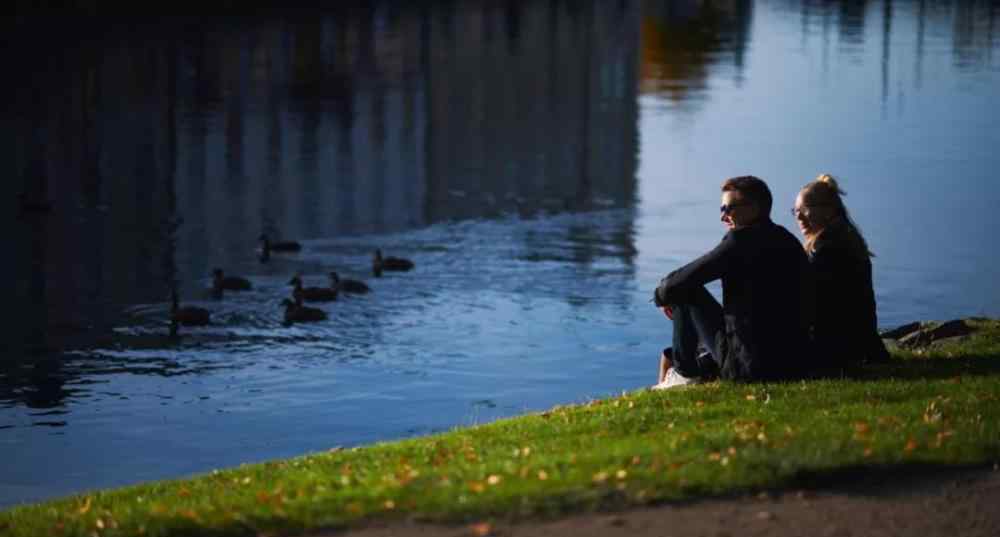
[
  {"x": 221, "y": 282},
  {"x": 187, "y": 315},
  {"x": 312, "y": 294},
  {"x": 297, "y": 313},
  {"x": 389, "y": 263},
  {"x": 348, "y": 285}
]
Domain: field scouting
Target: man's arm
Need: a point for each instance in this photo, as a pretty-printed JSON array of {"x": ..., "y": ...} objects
[{"x": 709, "y": 267}]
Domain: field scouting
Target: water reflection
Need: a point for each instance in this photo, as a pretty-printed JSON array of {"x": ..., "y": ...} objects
[
  {"x": 683, "y": 41},
  {"x": 494, "y": 143},
  {"x": 372, "y": 119}
]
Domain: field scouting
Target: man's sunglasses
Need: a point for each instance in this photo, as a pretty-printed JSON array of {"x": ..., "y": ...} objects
[{"x": 727, "y": 208}]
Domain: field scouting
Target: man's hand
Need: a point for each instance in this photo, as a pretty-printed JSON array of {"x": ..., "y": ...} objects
[{"x": 668, "y": 311}]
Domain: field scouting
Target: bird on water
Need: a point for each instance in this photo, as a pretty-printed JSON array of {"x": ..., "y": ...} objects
[{"x": 380, "y": 264}]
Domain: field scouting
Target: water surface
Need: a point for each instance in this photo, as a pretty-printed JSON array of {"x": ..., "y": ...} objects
[{"x": 543, "y": 163}]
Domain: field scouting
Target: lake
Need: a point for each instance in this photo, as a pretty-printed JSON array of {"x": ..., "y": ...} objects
[{"x": 543, "y": 163}]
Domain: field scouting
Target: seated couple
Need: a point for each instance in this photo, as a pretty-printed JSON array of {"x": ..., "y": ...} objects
[{"x": 787, "y": 311}]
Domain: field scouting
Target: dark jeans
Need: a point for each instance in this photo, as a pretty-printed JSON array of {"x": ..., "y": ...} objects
[{"x": 697, "y": 321}]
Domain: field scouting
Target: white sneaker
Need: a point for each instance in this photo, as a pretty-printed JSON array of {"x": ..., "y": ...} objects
[{"x": 674, "y": 379}]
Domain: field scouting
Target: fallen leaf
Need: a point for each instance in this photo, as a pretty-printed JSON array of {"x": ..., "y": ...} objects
[
  {"x": 542, "y": 475},
  {"x": 493, "y": 480},
  {"x": 600, "y": 477},
  {"x": 481, "y": 529},
  {"x": 621, "y": 474},
  {"x": 751, "y": 397},
  {"x": 911, "y": 445}
]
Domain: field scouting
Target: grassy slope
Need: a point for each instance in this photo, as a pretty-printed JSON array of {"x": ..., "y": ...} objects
[{"x": 937, "y": 407}]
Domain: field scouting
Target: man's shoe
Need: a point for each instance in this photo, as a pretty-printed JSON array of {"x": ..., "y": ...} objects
[{"x": 675, "y": 379}]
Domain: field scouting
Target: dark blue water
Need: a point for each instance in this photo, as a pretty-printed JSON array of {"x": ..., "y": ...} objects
[{"x": 543, "y": 163}]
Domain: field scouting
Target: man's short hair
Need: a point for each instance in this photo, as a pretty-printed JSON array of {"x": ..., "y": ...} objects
[{"x": 753, "y": 189}]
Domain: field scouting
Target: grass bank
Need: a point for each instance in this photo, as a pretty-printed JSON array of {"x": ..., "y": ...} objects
[{"x": 938, "y": 406}]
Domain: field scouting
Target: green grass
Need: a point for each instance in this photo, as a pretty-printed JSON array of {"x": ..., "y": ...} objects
[{"x": 939, "y": 407}]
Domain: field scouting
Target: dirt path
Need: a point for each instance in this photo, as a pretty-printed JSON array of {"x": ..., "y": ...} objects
[{"x": 947, "y": 503}]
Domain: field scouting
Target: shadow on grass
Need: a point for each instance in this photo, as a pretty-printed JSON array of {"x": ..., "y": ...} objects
[
  {"x": 931, "y": 368},
  {"x": 890, "y": 481}
]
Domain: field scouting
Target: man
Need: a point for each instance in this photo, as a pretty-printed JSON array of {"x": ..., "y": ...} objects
[{"x": 762, "y": 326}]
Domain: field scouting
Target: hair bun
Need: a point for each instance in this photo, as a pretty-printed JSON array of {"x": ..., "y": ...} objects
[{"x": 831, "y": 182}]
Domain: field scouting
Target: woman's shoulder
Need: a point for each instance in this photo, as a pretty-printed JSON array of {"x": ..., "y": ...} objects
[{"x": 840, "y": 241}]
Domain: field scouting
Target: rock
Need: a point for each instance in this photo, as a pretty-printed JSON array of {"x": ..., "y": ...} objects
[
  {"x": 914, "y": 335},
  {"x": 957, "y": 327},
  {"x": 901, "y": 331}
]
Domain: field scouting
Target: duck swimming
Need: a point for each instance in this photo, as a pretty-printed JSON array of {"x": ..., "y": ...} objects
[
  {"x": 297, "y": 313},
  {"x": 311, "y": 294},
  {"x": 221, "y": 282},
  {"x": 348, "y": 285},
  {"x": 266, "y": 247},
  {"x": 187, "y": 315},
  {"x": 380, "y": 263}
]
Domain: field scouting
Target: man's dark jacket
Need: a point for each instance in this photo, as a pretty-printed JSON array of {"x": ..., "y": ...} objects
[{"x": 767, "y": 300}]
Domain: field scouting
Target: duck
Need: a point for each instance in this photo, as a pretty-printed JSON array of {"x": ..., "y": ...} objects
[
  {"x": 380, "y": 263},
  {"x": 297, "y": 313},
  {"x": 187, "y": 315},
  {"x": 348, "y": 285},
  {"x": 221, "y": 282},
  {"x": 311, "y": 294},
  {"x": 266, "y": 247}
]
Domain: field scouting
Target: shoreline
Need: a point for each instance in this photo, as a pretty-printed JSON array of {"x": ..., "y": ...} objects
[{"x": 934, "y": 406}]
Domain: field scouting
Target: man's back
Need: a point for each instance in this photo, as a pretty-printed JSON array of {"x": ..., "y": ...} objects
[{"x": 766, "y": 304}]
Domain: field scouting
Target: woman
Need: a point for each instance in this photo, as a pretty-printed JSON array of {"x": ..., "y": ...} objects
[{"x": 846, "y": 327}]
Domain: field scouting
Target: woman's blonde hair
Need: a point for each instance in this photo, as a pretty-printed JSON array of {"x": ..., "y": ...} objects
[{"x": 824, "y": 190}]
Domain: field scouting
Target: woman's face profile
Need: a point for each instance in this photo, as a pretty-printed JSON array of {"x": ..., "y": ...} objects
[{"x": 811, "y": 217}]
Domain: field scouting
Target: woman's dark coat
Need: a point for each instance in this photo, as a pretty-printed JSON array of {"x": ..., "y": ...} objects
[{"x": 846, "y": 327}]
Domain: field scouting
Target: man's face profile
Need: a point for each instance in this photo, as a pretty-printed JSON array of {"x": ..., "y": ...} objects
[{"x": 736, "y": 211}]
